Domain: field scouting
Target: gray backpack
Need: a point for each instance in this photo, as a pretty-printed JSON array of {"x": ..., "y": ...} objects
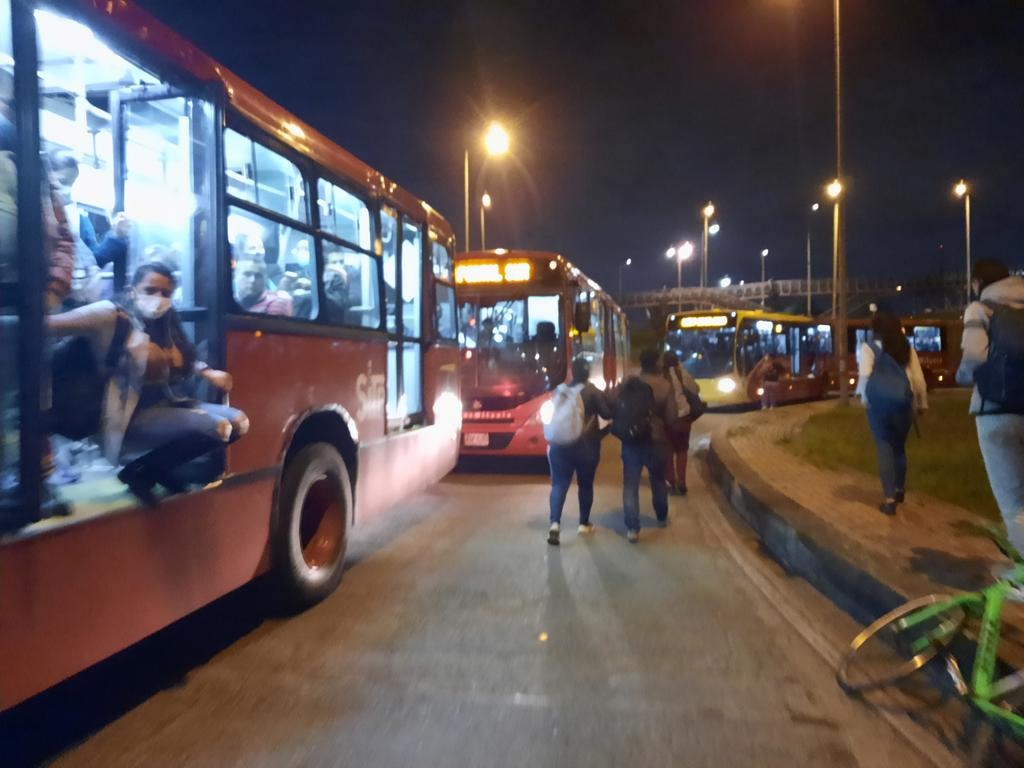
[{"x": 1000, "y": 379}]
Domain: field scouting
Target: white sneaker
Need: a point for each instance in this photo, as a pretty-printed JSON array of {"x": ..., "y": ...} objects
[
  {"x": 553, "y": 532},
  {"x": 632, "y": 536},
  {"x": 585, "y": 528}
]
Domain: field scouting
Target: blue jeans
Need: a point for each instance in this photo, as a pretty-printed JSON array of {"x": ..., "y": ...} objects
[
  {"x": 170, "y": 436},
  {"x": 566, "y": 460},
  {"x": 634, "y": 458},
  {"x": 890, "y": 430},
  {"x": 1001, "y": 437}
]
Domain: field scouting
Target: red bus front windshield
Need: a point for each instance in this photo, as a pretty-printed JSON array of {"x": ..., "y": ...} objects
[{"x": 513, "y": 342}]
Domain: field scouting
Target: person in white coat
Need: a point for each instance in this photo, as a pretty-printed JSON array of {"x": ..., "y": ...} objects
[
  {"x": 1000, "y": 425},
  {"x": 890, "y": 419}
]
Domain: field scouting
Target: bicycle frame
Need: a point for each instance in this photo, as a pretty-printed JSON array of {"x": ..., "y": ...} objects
[{"x": 984, "y": 691}]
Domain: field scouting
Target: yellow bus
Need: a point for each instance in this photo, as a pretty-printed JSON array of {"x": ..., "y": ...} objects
[{"x": 736, "y": 355}]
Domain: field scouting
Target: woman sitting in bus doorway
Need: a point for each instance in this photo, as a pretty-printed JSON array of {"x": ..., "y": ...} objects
[
  {"x": 147, "y": 418},
  {"x": 891, "y": 386}
]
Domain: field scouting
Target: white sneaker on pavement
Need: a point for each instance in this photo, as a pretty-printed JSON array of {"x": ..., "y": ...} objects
[{"x": 585, "y": 528}]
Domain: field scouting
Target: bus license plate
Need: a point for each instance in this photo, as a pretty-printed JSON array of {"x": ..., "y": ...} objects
[{"x": 476, "y": 439}]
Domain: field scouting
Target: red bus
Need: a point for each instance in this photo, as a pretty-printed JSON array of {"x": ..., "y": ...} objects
[
  {"x": 523, "y": 317},
  {"x": 935, "y": 337},
  {"x": 352, "y": 394}
]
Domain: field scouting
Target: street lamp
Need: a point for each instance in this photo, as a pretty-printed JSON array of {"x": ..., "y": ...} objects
[
  {"x": 485, "y": 204},
  {"x": 626, "y": 263},
  {"x": 962, "y": 190},
  {"x": 707, "y": 212},
  {"x": 496, "y": 142},
  {"x": 764, "y": 259},
  {"x": 725, "y": 282},
  {"x": 681, "y": 254},
  {"x": 814, "y": 209}
]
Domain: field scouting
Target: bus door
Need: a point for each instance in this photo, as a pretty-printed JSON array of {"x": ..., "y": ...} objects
[
  {"x": 166, "y": 181},
  {"x": 403, "y": 242}
]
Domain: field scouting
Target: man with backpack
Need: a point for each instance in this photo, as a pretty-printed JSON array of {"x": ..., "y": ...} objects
[
  {"x": 643, "y": 408},
  {"x": 574, "y": 444},
  {"x": 993, "y": 361}
]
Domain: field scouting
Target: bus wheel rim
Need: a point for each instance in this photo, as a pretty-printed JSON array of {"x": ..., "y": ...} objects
[{"x": 321, "y": 528}]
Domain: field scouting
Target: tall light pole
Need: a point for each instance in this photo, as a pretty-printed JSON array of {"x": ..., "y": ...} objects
[
  {"x": 839, "y": 248},
  {"x": 485, "y": 203},
  {"x": 680, "y": 254},
  {"x": 626, "y": 263},
  {"x": 814, "y": 209},
  {"x": 707, "y": 212},
  {"x": 496, "y": 142},
  {"x": 764, "y": 259},
  {"x": 962, "y": 190}
]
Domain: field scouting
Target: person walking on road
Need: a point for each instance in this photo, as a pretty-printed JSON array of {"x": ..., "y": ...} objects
[
  {"x": 574, "y": 445},
  {"x": 892, "y": 388},
  {"x": 993, "y": 361},
  {"x": 644, "y": 406},
  {"x": 686, "y": 392}
]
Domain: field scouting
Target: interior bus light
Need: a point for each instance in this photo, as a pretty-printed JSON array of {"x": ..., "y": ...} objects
[
  {"x": 518, "y": 271},
  {"x": 763, "y": 326},
  {"x": 478, "y": 272},
  {"x": 825, "y": 328},
  {"x": 704, "y": 321}
]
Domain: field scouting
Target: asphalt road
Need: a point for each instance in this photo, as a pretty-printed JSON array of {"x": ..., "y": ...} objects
[{"x": 460, "y": 638}]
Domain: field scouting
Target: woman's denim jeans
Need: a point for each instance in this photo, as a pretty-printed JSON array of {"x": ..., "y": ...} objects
[
  {"x": 890, "y": 430},
  {"x": 1001, "y": 437}
]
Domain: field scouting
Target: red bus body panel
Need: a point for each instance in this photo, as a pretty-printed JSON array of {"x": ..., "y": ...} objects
[{"x": 75, "y": 591}]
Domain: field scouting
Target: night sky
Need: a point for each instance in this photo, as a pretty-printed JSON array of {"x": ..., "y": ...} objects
[{"x": 628, "y": 116}]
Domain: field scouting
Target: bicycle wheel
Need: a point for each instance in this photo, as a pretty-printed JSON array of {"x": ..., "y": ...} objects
[{"x": 888, "y": 651}]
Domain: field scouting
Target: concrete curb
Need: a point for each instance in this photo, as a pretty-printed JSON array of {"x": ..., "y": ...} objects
[{"x": 805, "y": 544}]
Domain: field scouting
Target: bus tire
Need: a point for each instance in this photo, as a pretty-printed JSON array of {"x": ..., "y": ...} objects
[{"x": 314, "y": 505}]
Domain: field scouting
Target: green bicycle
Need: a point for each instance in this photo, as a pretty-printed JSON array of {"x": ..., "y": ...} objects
[{"x": 904, "y": 640}]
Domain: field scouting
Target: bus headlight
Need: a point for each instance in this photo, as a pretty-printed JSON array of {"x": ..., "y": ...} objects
[
  {"x": 726, "y": 385},
  {"x": 448, "y": 410},
  {"x": 546, "y": 412}
]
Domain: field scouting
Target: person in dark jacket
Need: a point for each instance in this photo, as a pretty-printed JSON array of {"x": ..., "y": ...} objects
[
  {"x": 651, "y": 453},
  {"x": 580, "y": 458}
]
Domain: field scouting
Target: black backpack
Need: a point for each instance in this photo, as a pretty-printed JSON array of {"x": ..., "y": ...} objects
[
  {"x": 1000, "y": 379},
  {"x": 79, "y": 385},
  {"x": 634, "y": 410}
]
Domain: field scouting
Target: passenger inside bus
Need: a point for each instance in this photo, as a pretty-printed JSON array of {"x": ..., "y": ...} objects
[
  {"x": 336, "y": 286},
  {"x": 251, "y": 291},
  {"x": 151, "y": 420},
  {"x": 91, "y": 253}
]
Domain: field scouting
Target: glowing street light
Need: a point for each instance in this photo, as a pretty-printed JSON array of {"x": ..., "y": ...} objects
[
  {"x": 681, "y": 253},
  {"x": 497, "y": 139},
  {"x": 725, "y": 282},
  {"x": 626, "y": 263},
  {"x": 497, "y": 142},
  {"x": 814, "y": 209},
  {"x": 834, "y": 190},
  {"x": 961, "y": 190},
  {"x": 714, "y": 229},
  {"x": 764, "y": 259},
  {"x": 485, "y": 204},
  {"x": 707, "y": 212}
]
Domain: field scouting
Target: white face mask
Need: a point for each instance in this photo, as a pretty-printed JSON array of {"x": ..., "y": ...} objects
[{"x": 152, "y": 307}]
